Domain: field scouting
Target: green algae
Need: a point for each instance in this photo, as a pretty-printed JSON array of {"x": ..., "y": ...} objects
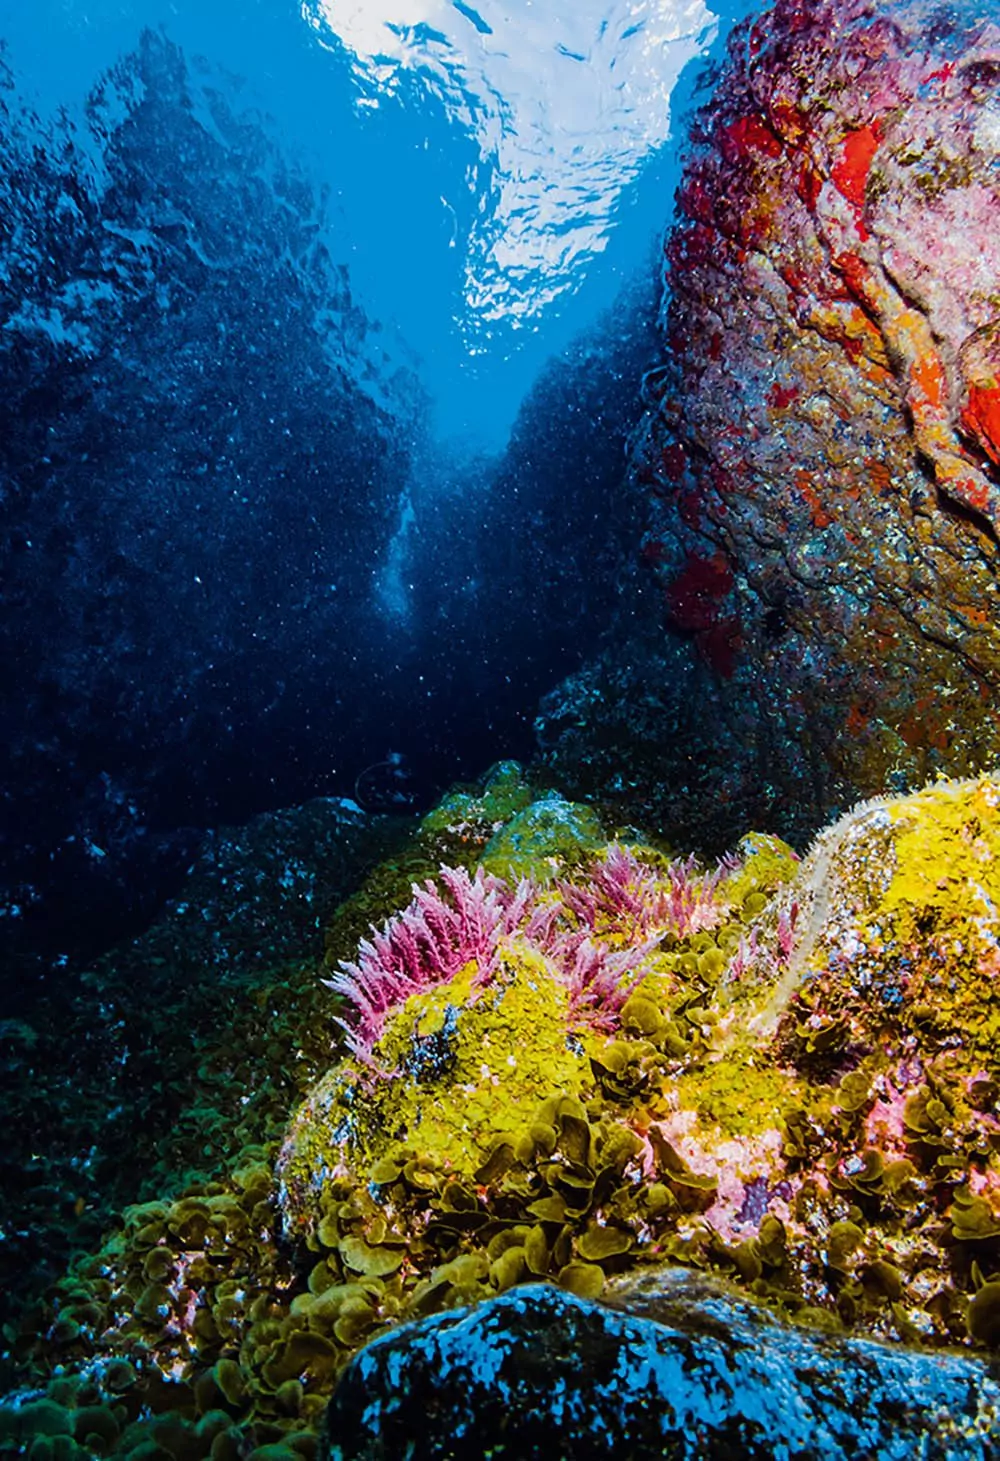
[
  {"x": 502, "y": 794},
  {"x": 542, "y": 838}
]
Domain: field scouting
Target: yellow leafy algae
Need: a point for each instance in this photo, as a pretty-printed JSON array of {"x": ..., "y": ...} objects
[{"x": 469, "y": 1066}]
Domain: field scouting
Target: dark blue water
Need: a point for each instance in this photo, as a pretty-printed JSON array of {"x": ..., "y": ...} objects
[{"x": 321, "y": 328}]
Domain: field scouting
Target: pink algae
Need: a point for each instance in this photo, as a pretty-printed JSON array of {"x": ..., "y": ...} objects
[{"x": 595, "y": 932}]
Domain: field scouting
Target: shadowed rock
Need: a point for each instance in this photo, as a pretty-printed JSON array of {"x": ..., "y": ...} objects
[{"x": 690, "y": 1374}]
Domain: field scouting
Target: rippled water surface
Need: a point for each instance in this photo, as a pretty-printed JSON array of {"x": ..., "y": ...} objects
[
  {"x": 499, "y": 170},
  {"x": 565, "y": 107}
]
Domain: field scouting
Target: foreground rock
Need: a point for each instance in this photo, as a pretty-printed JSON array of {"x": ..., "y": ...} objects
[{"x": 541, "y": 1373}]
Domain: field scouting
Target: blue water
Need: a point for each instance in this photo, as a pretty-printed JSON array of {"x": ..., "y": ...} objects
[
  {"x": 496, "y": 173},
  {"x": 321, "y": 334}
]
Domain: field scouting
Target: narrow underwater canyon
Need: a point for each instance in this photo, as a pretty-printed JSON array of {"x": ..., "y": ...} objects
[{"x": 502, "y": 920}]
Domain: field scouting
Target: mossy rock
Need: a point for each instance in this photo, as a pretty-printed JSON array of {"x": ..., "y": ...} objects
[
  {"x": 504, "y": 794},
  {"x": 541, "y": 838}
]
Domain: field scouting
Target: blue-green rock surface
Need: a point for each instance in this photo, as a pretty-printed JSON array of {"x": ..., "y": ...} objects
[{"x": 686, "y": 1374}]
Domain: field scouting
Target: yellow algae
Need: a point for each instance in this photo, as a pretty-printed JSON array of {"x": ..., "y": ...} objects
[
  {"x": 426, "y": 1013},
  {"x": 506, "y": 1053},
  {"x": 737, "y": 1098},
  {"x": 465, "y": 1067},
  {"x": 947, "y": 844},
  {"x": 905, "y": 893}
]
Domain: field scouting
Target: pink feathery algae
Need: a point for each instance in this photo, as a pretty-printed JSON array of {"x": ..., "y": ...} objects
[
  {"x": 599, "y": 979},
  {"x": 464, "y": 919},
  {"x": 743, "y": 959},
  {"x": 787, "y": 920},
  {"x": 436, "y": 935},
  {"x": 624, "y": 895}
]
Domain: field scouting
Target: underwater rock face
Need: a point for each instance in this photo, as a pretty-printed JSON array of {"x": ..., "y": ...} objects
[
  {"x": 200, "y": 461},
  {"x": 820, "y": 451},
  {"x": 538, "y": 1372}
]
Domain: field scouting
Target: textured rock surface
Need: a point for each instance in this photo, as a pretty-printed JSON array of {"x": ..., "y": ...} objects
[
  {"x": 538, "y": 1373},
  {"x": 821, "y": 447},
  {"x": 170, "y": 380}
]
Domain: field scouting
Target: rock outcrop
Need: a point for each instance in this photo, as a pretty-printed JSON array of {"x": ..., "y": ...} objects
[
  {"x": 749, "y": 1101},
  {"x": 540, "y": 1373},
  {"x": 820, "y": 452}
]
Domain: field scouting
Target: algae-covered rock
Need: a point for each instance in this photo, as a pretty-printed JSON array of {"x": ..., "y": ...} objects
[
  {"x": 539, "y": 1372},
  {"x": 774, "y": 1074},
  {"x": 899, "y": 916},
  {"x": 784, "y": 1072},
  {"x": 488, "y": 996},
  {"x": 466, "y": 1072},
  {"x": 503, "y": 794},
  {"x": 548, "y": 829}
]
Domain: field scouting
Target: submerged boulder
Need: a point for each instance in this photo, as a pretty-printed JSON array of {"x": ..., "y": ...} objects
[
  {"x": 781, "y": 1072},
  {"x": 701, "y": 1378},
  {"x": 820, "y": 450}
]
